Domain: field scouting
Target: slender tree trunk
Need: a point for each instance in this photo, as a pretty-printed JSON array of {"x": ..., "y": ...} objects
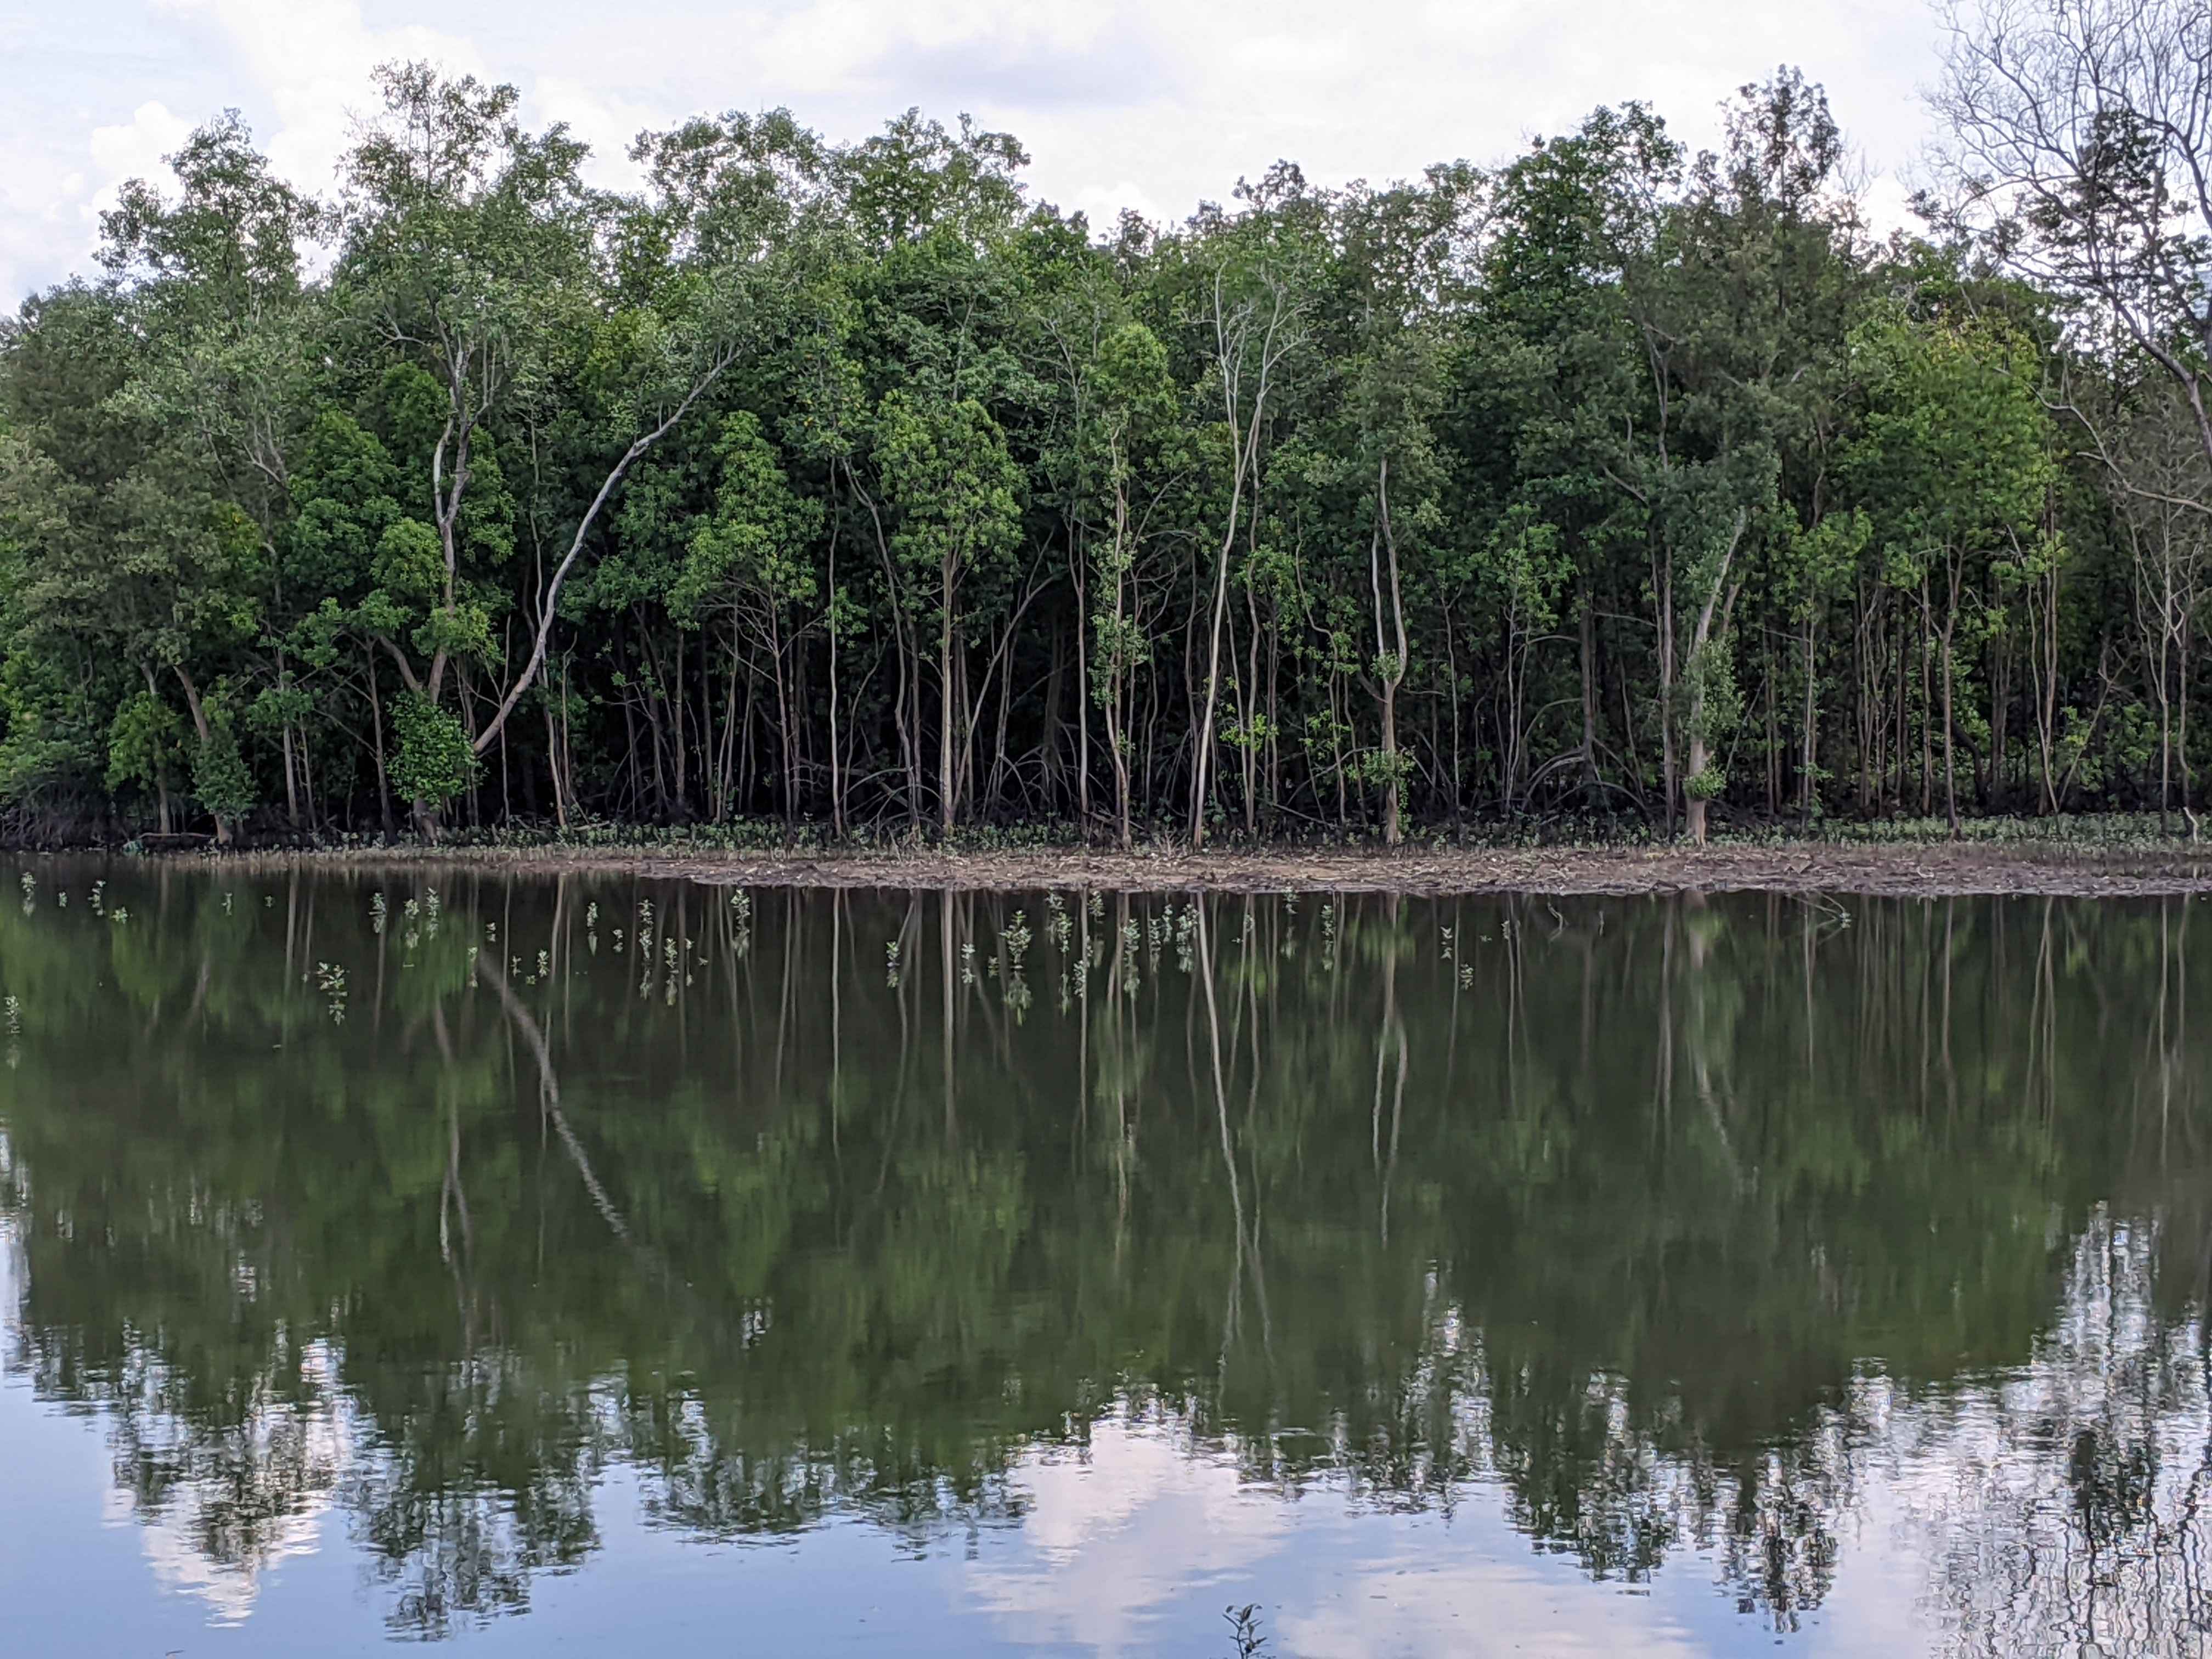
[
  {"x": 1586, "y": 630},
  {"x": 1950, "y": 764},
  {"x": 1247, "y": 690},
  {"x": 1670, "y": 777},
  {"x": 1717, "y": 604},
  {"x": 1806, "y": 785},
  {"x": 200, "y": 725},
  {"x": 1231, "y": 339},
  {"x": 553, "y": 767},
  {"x": 836, "y": 764},
  {"x": 1200, "y": 761},
  {"x": 376, "y": 726},
  {"x": 952, "y": 698},
  {"x": 1390, "y": 664},
  {"x": 1927, "y": 745},
  {"x": 1083, "y": 696},
  {"x": 291, "y": 788}
]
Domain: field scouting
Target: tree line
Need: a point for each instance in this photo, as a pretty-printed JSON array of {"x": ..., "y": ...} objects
[{"x": 849, "y": 485}]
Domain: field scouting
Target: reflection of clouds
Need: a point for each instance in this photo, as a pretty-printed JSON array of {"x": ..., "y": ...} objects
[
  {"x": 2023, "y": 1511},
  {"x": 182, "y": 1567},
  {"x": 2071, "y": 1503},
  {"x": 306, "y": 1450},
  {"x": 1481, "y": 1607},
  {"x": 2061, "y": 1503},
  {"x": 1115, "y": 1532}
]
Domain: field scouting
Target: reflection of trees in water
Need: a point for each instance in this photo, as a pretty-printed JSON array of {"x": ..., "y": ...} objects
[
  {"x": 232, "y": 1482},
  {"x": 1690, "y": 1227},
  {"x": 2065, "y": 1504},
  {"x": 472, "y": 1476}
]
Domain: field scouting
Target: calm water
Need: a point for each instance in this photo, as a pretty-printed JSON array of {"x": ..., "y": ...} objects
[{"x": 611, "y": 1266}]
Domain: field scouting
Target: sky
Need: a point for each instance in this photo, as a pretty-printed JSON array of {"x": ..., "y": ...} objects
[{"x": 1154, "y": 105}]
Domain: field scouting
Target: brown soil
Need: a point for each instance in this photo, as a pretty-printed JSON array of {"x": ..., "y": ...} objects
[{"x": 1930, "y": 870}]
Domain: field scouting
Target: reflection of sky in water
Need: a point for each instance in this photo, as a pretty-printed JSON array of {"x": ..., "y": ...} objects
[
  {"x": 1136, "y": 1546},
  {"x": 317, "y": 1443},
  {"x": 1856, "y": 1378},
  {"x": 1133, "y": 1549},
  {"x": 1954, "y": 1537}
]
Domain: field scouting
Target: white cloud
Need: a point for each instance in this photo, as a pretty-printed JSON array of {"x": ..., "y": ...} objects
[
  {"x": 1886, "y": 205},
  {"x": 1105, "y": 204},
  {"x": 51, "y": 200},
  {"x": 1154, "y": 104},
  {"x": 308, "y": 64},
  {"x": 138, "y": 146}
]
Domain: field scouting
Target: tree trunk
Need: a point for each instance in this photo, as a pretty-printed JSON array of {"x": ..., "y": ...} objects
[
  {"x": 1082, "y": 698},
  {"x": 553, "y": 767},
  {"x": 1669, "y": 777},
  {"x": 836, "y": 760},
  {"x": 1390, "y": 665},
  {"x": 1950, "y": 770},
  {"x": 950, "y": 699},
  {"x": 1950, "y": 764},
  {"x": 1586, "y": 627},
  {"x": 222, "y": 826},
  {"x": 376, "y": 724},
  {"x": 1806, "y": 785},
  {"x": 1712, "y": 624},
  {"x": 1198, "y": 786},
  {"x": 1694, "y": 803}
]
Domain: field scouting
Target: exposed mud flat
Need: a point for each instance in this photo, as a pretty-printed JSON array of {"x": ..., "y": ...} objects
[{"x": 1928, "y": 870}]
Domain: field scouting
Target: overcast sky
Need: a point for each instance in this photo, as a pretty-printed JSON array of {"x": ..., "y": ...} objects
[{"x": 1151, "y": 104}]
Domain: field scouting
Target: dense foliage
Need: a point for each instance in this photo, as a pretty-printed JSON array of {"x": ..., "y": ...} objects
[{"x": 849, "y": 484}]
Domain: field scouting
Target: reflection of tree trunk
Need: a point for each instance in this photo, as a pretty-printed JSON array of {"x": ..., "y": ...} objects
[
  {"x": 548, "y": 1089},
  {"x": 291, "y": 925},
  {"x": 1221, "y": 1116},
  {"x": 200, "y": 987},
  {"x": 945, "y": 930},
  {"x": 2041, "y": 1022},
  {"x": 2181, "y": 998},
  {"x": 836, "y": 1015},
  {"x": 1950, "y": 1071},
  {"x": 788, "y": 977},
  {"x": 1805, "y": 953},
  {"x": 452, "y": 1196},
  {"x": 1665, "y": 1089},
  {"x": 1122, "y": 1139},
  {"x": 1392, "y": 1034},
  {"x": 1251, "y": 1129}
]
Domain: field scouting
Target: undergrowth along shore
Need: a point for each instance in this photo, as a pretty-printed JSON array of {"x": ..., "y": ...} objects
[{"x": 2101, "y": 856}]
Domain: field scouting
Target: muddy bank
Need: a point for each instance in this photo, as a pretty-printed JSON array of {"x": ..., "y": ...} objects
[{"x": 1902, "y": 870}]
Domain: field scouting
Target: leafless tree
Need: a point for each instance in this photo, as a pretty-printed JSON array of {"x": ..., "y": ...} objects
[
  {"x": 2160, "y": 483},
  {"x": 2078, "y": 147}
]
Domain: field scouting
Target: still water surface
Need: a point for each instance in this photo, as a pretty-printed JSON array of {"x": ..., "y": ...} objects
[{"x": 601, "y": 1266}]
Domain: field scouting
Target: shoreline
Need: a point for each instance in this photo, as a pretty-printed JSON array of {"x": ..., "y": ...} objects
[{"x": 1930, "y": 870}]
